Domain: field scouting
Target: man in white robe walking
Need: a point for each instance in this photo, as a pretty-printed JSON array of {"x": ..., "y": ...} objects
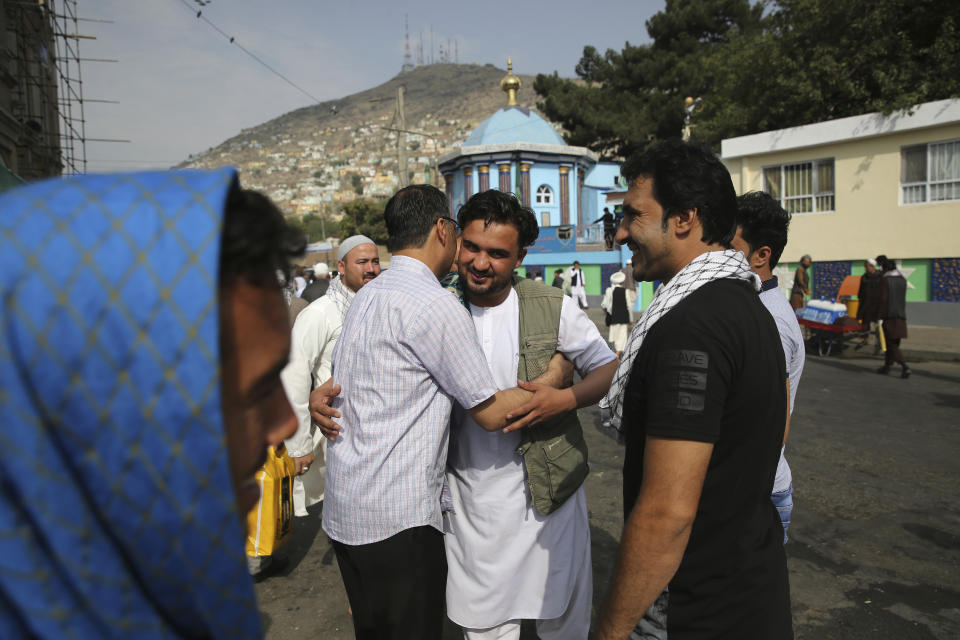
[{"x": 578, "y": 287}]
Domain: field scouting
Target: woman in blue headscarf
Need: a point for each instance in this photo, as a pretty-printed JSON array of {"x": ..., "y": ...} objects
[{"x": 142, "y": 333}]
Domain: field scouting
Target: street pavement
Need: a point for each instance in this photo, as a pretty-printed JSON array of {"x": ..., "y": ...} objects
[{"x": 874, "y": 548}]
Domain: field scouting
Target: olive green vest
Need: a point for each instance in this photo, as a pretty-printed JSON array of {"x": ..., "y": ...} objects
[{"x": 554, "y": 452}]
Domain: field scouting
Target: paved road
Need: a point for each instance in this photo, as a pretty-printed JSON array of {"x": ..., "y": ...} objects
[{"x": 875, "y": 541}]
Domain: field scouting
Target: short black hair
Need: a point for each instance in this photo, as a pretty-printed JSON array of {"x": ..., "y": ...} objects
[
  {"x": 689, "y": 176},
  {"x": 257, "y": 244},
  {"x": 502, "y": 208},
  {"x": 763, "y": 223},
  {"x": 558, "y": 270},
  {"x": 885, "y": 263},
  {"x": 410, "y": 214}
]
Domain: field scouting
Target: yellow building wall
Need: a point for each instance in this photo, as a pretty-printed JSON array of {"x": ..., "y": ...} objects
[{"x": 869, "y": 219}]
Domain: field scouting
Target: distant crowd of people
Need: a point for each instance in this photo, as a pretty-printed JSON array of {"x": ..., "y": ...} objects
[{"x": 431, "y": 407}]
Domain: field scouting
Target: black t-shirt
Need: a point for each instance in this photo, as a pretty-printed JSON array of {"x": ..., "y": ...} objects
[{"x": 712, "y": 370}]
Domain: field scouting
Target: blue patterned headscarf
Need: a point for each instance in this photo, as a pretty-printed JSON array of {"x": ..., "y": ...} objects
[{"x": 117, "y": 516}]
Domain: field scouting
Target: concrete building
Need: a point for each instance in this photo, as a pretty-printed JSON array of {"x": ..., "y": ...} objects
[{"x": 862, "y": 186}]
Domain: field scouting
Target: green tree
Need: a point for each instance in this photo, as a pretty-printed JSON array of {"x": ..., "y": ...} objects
[
  {"x": 626, "y": 99},
  {"x": 357, "y": 183},
  {"x": 758, "y": 67},
  {"x": 364, "y": 217},
  {"x": 819, "y": 60},
  {"x": 315, "y": 228}
]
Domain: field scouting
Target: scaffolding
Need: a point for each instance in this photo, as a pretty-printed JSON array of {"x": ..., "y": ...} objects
[
  {"x": 41, "y": 100},
  {"x": 73, "y": 125}
]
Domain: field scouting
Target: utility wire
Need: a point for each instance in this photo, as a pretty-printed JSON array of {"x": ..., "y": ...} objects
[{"x": 232, "y": 40}]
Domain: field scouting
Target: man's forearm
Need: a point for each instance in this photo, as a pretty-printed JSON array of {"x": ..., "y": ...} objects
[
  {"x": 296, "y": 383},
  {"x": 492, "y": 413},
  {"x": 650, "y": 553},
  {"x": 595, "y": 384}
]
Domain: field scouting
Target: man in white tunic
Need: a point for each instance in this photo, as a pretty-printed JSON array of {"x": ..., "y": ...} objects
[
  {"x": 314, "y": 336},
  {"x": 507, "y": 561},
  {"x": 578, "y": 286}
]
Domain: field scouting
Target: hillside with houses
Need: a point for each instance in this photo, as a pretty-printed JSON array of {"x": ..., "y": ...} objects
[{"x": 319, "y": 157}]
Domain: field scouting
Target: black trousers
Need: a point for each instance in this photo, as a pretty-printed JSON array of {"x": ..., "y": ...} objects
[{"x": 396, "y": 587}]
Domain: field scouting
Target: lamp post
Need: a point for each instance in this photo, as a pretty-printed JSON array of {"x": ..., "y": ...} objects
[{"x": 689, "y": 106}]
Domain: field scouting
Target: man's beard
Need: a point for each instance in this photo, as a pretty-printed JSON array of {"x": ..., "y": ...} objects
[{"x": 492, "y": 286}]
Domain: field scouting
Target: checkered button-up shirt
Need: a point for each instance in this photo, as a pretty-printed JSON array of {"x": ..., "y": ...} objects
[{"x": 407, "y": 352}]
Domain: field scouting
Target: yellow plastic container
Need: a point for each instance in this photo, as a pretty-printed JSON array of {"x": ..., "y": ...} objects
[{"x": 852, "y": 307}]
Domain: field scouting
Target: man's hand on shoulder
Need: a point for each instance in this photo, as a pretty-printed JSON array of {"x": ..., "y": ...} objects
[{"x": 321, "y": 411}]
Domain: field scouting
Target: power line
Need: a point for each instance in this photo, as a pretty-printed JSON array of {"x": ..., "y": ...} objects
[{"x": 233, "y": 41}]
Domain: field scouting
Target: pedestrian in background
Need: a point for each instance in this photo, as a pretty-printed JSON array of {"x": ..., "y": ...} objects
[
  {"x": 618, "y": 302},
  {"x": 893, "y": 312},
  {"x": 578, "y": 285},
  {"x": 801, "y": 283},
  {"x": 321, "y": 281},
  {"x": 557, "y": 278},
  {"x": 868, "y": 295}
]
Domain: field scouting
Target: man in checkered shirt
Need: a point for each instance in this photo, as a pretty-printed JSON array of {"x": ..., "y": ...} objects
[{"x": 407, "y": 351}]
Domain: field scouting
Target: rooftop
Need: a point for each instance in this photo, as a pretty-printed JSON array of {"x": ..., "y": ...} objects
[
  {"x": 513, "y": 124},
  {"x": 928, "y": 114}
]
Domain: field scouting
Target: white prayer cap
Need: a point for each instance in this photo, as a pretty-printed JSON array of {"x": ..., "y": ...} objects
[
  {"x": 872, "y": 262},
  {"x": 617, "y": 277},
  {"x": 321, "y": 270},
  {"x": 351, "y": 243}
]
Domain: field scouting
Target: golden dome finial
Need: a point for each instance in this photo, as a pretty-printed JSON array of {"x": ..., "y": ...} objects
[{"x": 511, "y": 84}]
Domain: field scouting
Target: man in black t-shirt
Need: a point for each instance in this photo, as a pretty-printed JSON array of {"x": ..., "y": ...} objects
[{"x": 702, "y": 402}]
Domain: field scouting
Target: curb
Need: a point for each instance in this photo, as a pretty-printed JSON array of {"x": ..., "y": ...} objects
[{"x": 922, "y": 355}]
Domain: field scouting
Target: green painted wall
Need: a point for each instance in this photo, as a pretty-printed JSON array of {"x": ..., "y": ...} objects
[
  {"x": 920, "y": 279},
  {"x": 591, "y": 272}
]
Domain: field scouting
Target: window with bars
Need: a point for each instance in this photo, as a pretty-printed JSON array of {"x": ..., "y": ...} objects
[
  {"x": 930, "y": 172},
  {"x": 804, "y": 187},
  {"x": 544, "y": 195}
]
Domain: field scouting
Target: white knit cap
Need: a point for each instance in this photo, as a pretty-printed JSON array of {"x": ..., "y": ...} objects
[
  {"x": 321, "y": 270},
  {"x": 872, "y": 262},
  {"x": 617, "y": 277},
  {"x": 352, "y": 243}
]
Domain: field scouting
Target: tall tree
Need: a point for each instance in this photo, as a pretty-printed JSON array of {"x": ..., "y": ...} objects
[
  {"x": 758, "y": 67},
  {"x": 823, "y": 59},
  {"x": 626, "y": 99}
]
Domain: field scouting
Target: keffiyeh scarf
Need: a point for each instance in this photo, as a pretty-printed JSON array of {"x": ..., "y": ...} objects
[
  {"x": 705, "y": 268},
  {"x": 341, "y": 296}
]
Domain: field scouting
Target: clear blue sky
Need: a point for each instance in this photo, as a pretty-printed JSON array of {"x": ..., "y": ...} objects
[{"x": 183, "y": 88}]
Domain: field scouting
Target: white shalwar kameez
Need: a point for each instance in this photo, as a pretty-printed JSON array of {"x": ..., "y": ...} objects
[{"x": 507, "y": 562}]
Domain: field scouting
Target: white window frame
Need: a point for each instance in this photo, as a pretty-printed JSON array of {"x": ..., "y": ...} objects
[
  {"x": 927, "y": 183},
  {"x": 544, "y": 194},
  {"x": 821, "y": 200}
]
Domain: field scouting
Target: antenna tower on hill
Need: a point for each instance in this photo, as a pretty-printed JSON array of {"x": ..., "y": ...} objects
[{"x": 407, "y": 58}]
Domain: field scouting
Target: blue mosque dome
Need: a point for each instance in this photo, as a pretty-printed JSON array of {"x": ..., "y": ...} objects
[{"x": 514, "y": 124}]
